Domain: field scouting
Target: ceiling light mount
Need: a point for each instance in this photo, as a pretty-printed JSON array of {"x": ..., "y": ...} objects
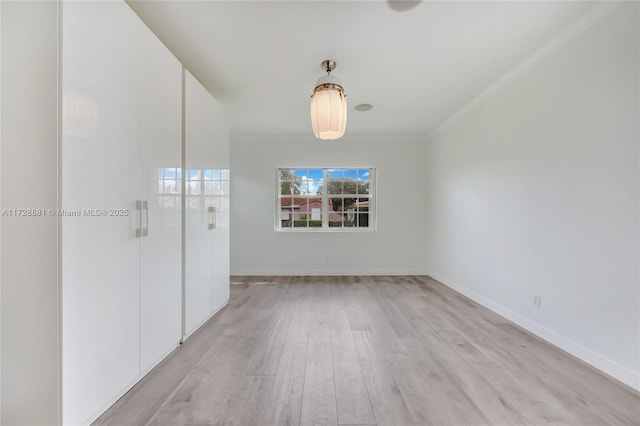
[
  {"x": 328, "y": 65},
  {"x": 328, "y": 105}
]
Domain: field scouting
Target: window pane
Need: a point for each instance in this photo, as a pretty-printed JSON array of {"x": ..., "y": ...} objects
[
  {"x": 350, "y": 174},
  {"x": 300, "y": 223},
  {"x": 350, "y": 186},
  {"x": 348, "y": 204},
  {"x": 286, "y": 203},
  {"x": 362, "y": 205},
  {"x": 335, "y": 218},
  {"x": 306, "y": 181},
  {"x": 224, "y": 174},
  {"x": 362, "y": 220},
  {"x": 334, "y": 204},
  {"x": 285, "y": 175},
  {"x": 350, "y": 216},
  {"x": 314, "y": 181},
  {"x": 286, "y": 213},
  {"x": 363, "y": 181},
  {"x": 334, "y": 174},
  {"x": 304, "y": 187},
  {"x": 363, "y": 188},
  {"x": 285, "y": 188},
  {"x": 334, "y": 186}
]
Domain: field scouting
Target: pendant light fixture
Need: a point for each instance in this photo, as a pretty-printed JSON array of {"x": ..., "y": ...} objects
[{"x": 328, "y": 105}]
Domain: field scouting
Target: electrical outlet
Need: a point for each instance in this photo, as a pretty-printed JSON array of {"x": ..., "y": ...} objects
[{"x": 537, "y": 301}]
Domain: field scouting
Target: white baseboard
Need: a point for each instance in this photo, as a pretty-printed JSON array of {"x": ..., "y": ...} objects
[
  {"x": 623, "y": 374},
  {"x": 326, "y": 272}
]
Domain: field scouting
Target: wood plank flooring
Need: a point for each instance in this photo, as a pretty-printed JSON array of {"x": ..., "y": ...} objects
[{"x": 388, "y": 351}]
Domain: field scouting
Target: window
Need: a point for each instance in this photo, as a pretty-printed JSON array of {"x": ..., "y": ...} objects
[{"x": 325, "y": 199}]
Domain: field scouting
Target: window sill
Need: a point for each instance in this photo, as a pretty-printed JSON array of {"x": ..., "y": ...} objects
[{"x": 322, "y": 230}]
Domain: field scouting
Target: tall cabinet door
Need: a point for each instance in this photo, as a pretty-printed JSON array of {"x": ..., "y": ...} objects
[
  {"x": 199, "y": 154},
  {"x": 220, "y": 202},
  {"x": 100, "y": 257},
  {"x": 206, "y": 205},
  {"x": 121, "y": 243},
  {"x": 160, "y": 173}
]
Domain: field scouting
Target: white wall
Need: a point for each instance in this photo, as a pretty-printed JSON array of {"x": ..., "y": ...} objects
[
  {"x": 0, "y": 209},
  {"x": 535, "y": 192},
  {"x": 29, "y": 244},
  {"x": 397, "y": 247}
]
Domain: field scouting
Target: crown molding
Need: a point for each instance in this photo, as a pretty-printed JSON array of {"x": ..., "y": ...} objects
[{"x": 579, "y": 26}]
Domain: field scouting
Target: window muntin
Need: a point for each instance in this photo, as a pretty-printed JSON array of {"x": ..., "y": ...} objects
[{"x": 325, "y": 199}]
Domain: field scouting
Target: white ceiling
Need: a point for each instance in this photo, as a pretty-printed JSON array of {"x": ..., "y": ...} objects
[{"x": 262, "y": 58}]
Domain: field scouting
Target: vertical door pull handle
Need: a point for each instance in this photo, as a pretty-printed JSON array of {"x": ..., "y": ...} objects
[
  {"x": 212, "y": 217},
  {"x": 145, "y": 230},
  {"x": 139, "y": 225}
]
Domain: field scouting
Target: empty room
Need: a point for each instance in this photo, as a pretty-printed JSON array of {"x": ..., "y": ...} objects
[{"x": 317, "y": 213}]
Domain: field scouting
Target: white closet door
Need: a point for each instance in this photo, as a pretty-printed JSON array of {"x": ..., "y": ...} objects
[
  {"x": 220, "y": 250},
  {"x": 100, "y": 254},
  {"x": 220, "y": 237},
  {"x": 207, "y": 205},
  {"x": 161, "y": 156},
  {"x": 199, "y": 155}
]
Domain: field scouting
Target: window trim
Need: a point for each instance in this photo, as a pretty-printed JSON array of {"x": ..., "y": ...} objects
[{"x": 373, "y": 196}]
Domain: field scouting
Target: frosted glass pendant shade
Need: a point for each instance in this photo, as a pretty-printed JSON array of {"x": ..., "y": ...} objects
[{"x": 328, "y": 109}]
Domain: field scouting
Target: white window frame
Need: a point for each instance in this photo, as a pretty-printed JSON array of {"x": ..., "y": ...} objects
[{"x": 325, "y": 205}]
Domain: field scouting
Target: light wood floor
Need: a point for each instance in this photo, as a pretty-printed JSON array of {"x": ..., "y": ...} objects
[{"x": 367, "y": 351}]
